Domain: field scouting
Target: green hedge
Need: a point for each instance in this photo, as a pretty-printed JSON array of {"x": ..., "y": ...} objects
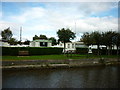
[
  {"x": 105, "y": 52},
  {"x": 45, "y": 51},
  {"x": 13, "y": 51},
  {"x": 81, "y": 50},
  {"x": 9, "y": 51},
  {"x": 95, "y": 51}
]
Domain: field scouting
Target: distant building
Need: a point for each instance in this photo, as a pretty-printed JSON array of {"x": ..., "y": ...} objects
[
  {"x": 95, "y": 46},
  {"x": 73, "y": 45},
  {"x": 4, "y": 44},
  {"x": 80, "y": 45},
  {"x": 114, "y": 47},
  {"x": 68, "y": 46},
  {"x": 41, "y": 43}
]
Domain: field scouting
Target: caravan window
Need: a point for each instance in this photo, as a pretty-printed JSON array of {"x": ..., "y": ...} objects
[
  {"x": 72, "y": 45},
  {"x": 43, "y": 44},
  {"x": 68, "y": 45}
]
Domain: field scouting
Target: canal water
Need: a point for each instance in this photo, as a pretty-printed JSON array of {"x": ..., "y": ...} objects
[{"x": 88, "y": 77}]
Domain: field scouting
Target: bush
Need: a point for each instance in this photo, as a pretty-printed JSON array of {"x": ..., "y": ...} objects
[
  {"x": 81, "y": 50},
  {"x": 95, "y": 51},
  {"x": 14, "y": 51},
  {"x": 9, "y": 51},
  {"x": 44, "y": 51},
  {"x": 114, "y": 52}
]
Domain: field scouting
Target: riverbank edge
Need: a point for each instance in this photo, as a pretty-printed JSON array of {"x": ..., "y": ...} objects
[{"x": 70, "y": 63}]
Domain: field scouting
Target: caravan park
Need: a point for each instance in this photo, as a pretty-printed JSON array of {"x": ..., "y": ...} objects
[{"x": 60, "y": 45}]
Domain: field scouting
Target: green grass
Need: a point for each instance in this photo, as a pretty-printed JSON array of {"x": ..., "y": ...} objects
[
  {"x": 41, "y": 57},
  {"x": 54, "y": 57}
]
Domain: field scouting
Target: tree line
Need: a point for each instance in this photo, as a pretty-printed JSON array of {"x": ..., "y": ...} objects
[
  {"x": 65, "y": 35},
  {"x": 109, "y": 39},
  {"x": 54, "y": 41},
  {"x": 7, "y": 37}
]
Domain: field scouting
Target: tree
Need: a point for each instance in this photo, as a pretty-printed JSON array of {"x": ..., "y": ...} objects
[
  {"x": 12, "y": 41},
  {"x": 27, "y": 42},
  {"x": 86, "y": 39},
  {"x": 96, "y": 39},
  {"x": 116, "y": 41},
  {"x": 6, "y": 34},
  {"x": 107, "y": 39},
  {"x": 93, "y": 38},
  {"x": 40, "y": 37},
  {"x": 65, "y": 35},
  {"x": 43, "y": 37},
  {"x": 35, "y": 37},
  {"x": 53, "y": 40}
]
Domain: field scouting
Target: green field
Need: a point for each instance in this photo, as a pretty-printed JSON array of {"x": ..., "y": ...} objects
[{"x": 55, "y": 57}]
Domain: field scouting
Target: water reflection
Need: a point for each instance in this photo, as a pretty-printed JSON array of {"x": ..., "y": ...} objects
[{"x": 93, "y": 77}]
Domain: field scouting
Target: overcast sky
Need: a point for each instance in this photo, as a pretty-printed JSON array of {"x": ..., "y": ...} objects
[{"x": 46, "y": 18}]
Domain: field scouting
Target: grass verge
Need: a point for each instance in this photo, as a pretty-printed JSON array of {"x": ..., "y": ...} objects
[{"x": 55, "y": 57}]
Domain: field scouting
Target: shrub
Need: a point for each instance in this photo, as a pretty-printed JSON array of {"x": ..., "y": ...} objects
[
  {"x": 44, "y": 51},
  {"x": 81, "y": 50},
  {"x": 95, "y": 51},
  {"x": 32, "y": 50},
  {"x": 9, "y": 51}
]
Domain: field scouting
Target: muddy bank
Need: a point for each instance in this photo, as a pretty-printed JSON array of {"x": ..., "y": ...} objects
[{"x": 36, "y": 64}]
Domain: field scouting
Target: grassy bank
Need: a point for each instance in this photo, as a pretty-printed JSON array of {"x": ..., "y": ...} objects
[{"x": 55, "y": 57}]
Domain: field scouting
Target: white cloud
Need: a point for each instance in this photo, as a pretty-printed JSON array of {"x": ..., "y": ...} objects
[
  {"x": 96, "y": 7},
  {"x": 68, "y": 10},
  {"x": 39, "y": 20},
  {"x": 29, "y": 14},
  {"x": 82, "y": 25},
  {"x": 97, "y": 24}
]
